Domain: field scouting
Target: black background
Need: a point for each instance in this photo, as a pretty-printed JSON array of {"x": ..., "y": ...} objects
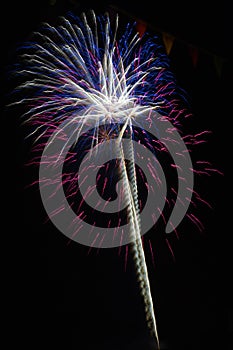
[{"x": 61, "y": 295}]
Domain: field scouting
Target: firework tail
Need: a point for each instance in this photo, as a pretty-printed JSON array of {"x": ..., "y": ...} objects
[{"x": 136, "y": 247}]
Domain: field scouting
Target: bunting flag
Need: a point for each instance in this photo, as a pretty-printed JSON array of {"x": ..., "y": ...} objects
[
  {"x": 141, "y": 27},
  {"x": 218, "y": 62},
  {"x": 168, "y": 40},
  {"x": 194, "y": 53}
]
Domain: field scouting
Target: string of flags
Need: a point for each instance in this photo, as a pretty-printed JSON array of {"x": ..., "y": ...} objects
[
  {"x": 194, "y": 51},
  {"x": 169, "y": 40}
]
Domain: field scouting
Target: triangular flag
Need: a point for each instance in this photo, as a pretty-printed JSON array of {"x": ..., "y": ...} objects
[
  {"x": 194, "y": 53},
  {"x": 141, "y": 27},
  {"x": 218, "y": 62},
  {"x": 168, "y": 40}
]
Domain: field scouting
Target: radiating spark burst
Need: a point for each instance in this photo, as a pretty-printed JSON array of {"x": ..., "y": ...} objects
[{"x": 83, "y": 72}]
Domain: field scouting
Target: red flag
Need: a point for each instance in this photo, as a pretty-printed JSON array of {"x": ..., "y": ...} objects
[
  {"x": 141, "y": 27},
  {"x": 194, "y": 53}
]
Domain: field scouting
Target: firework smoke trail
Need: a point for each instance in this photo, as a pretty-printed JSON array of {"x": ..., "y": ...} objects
[{"x": 81, "y": 74}]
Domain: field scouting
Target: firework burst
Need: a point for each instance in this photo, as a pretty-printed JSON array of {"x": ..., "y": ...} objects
[{"x": 91, "y": 96}]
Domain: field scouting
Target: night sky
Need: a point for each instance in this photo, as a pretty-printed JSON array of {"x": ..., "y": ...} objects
[{"x": 61, "y": 295}]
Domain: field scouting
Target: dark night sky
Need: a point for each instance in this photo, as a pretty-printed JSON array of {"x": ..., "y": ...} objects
[{"x": 58, "y": 295}]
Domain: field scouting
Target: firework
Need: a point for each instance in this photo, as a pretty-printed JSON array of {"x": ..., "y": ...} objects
[{"x": 103, "y": 108}]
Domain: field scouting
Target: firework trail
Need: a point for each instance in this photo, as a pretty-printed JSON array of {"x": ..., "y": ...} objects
[{"x": 86, "y": 86}]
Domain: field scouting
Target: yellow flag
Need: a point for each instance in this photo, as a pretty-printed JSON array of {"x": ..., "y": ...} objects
[{"x": 168, "y": 40}]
